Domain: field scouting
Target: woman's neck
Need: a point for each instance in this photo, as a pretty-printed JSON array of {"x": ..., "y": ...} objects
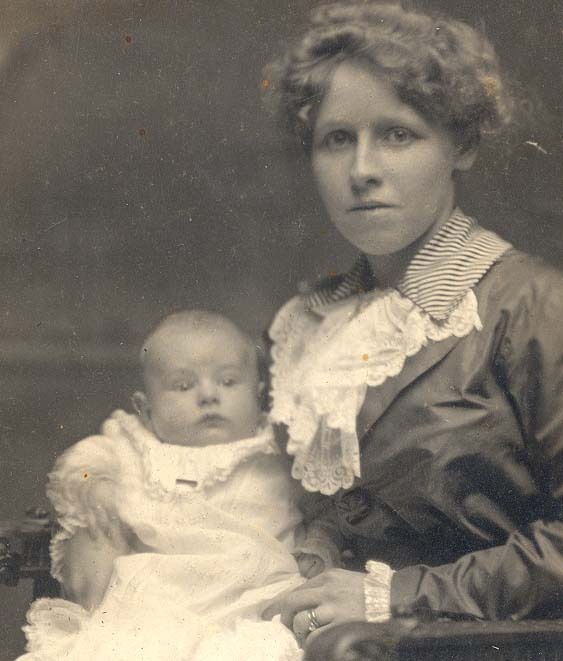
[{"x": 390, "y": 269}]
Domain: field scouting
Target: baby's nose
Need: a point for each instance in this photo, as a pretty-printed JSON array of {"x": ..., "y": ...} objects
[{"x": 208, "y": 392}]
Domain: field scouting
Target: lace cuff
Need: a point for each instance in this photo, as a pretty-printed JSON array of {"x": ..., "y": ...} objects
[{"x": 377, "y": 591}]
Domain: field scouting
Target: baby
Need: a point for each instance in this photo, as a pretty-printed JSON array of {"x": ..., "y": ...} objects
[{"x": 177, "y": 525}]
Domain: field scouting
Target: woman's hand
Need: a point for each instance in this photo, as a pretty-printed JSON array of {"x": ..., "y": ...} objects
[{"x": 333, "y": 597}]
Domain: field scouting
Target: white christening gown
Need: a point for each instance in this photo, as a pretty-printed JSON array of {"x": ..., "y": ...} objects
[{"x": 219, "y": 522}]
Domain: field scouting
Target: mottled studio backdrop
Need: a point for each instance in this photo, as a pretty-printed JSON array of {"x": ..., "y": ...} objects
[{"x": 139, "y": 173}]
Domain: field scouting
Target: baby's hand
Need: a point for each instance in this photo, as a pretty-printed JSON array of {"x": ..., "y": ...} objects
[
  {"x": 310, "y": 565},
  {"x": 101, "y": 509},
  {"x": 316, "y": 555}
]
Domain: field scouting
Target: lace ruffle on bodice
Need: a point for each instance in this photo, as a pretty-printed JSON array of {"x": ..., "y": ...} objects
[{"x": 324, "y": 361}]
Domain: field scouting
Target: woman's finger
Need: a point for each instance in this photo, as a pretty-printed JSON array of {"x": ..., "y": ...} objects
[
  {"x": 309, "y": 594},
  {"x": 272, "y": 610},
  {"x": 275, "y": 605},
  {"x": 306, "y": 622},
  {"x": 319, "y": 632},
  {"x": 300, "y": 600},
  {"x": 290, "y": 603},
  {"x": 313, "y": 583}
]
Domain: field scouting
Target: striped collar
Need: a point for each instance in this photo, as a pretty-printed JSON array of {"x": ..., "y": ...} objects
[{"x": 438, "y": 276}]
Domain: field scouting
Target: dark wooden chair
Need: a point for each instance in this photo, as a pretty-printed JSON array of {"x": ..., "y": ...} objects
[
  {"x": 24, "y": 553},
  {"x": 410, "y": 640}
]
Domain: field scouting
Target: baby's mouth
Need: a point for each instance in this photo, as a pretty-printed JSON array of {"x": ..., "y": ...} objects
[{"x": 212, "y": 419}]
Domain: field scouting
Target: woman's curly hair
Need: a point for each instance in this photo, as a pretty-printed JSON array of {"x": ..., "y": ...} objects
[{"x": 442, "y": 67}]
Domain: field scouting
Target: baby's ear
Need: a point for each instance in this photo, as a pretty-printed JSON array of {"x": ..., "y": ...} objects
[{"x": 141, "y": 406}]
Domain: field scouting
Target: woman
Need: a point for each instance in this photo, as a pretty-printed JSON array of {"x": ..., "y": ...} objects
[{"x": 421, "y": 393}]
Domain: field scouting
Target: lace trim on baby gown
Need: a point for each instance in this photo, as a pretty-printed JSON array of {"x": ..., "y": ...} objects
[
  {"x": 164, "y": 464},
  {"x": 112, "y": 457},
  {"x": 59, "y": 629},
  {"x": 51, "y": 628},
  {"x": 323, "y": 363}
]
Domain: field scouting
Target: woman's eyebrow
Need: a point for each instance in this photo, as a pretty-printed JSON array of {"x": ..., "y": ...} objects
[
  {"x": 344, "y": 122},
  {"x": 334, "y": 123}
]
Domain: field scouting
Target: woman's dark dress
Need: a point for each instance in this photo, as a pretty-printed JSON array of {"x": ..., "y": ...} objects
[{"x": 462, "y": 461}]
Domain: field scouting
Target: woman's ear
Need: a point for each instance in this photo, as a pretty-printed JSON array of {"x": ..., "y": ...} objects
[
  {"x": 141, "y": 405},
  {"x": 466, "y": 155}
]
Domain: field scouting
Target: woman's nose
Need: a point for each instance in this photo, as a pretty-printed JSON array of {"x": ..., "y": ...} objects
[
  {"x": 366, "y": 169},
  {"x": 208, "y": 392}
]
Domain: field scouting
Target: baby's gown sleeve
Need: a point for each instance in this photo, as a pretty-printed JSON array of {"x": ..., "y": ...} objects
[
  {"x": 52, "y": 622},
  {"x": 69, "y": 489}
]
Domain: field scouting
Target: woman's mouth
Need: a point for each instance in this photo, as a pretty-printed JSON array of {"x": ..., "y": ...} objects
[{"x": 369, "y": 206}]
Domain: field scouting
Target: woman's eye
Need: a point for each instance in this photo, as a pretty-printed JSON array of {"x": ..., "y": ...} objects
[
  {"x": 228, "y": 381},
  {"x": 338, "y": 139},
  {"x": 400, "y": 136}
]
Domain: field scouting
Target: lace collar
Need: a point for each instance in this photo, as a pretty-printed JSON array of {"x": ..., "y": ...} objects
[
  {"x": 360, "y": 336},
  {"x": 172, "y": 469}
]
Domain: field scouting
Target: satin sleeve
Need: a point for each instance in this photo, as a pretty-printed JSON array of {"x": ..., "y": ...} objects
[
  {"x": 523, "y": 577},
  {"x": 323, "y": 536}
]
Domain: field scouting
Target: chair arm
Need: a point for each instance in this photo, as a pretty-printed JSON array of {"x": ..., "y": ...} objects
[
  {"x": 24, "y": 552},
  {"x": 404, "y": 640}
]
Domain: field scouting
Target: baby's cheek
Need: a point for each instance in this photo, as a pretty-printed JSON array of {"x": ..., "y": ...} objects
[
  {"x": 172, "y": 418},
  {"x": 175, "y": 409}
]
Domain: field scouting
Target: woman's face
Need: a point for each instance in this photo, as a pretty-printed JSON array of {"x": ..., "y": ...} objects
[{"x": 384, "y": 173}]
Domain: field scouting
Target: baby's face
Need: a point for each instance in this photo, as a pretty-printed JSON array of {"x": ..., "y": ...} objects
[{"x": 201, "y": 387}]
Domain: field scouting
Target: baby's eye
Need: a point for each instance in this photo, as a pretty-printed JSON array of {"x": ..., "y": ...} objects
[
  {"x": 338, "y": 139},
  {"x": 183, "y": 386},
  {"x": 400, "y": 136},
  {"x": 228, "y": 381}
]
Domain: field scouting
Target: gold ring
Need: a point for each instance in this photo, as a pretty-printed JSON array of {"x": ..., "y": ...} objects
[{"x": 313, "y": 620}]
